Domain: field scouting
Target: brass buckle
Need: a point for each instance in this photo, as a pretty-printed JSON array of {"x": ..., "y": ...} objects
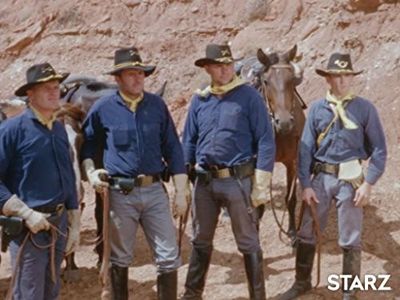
[{"x": 143, "y": 180}]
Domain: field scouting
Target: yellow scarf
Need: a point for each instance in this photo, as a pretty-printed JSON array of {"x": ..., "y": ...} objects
[
  {"x": 131, "y": 102},
  {"x": 43, "y": 120},
  {"x": 338, "y": 106},
  {"x": 221, "y": 89}
]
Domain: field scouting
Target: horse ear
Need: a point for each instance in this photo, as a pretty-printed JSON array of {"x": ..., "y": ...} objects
[
  {"x": 263, "y": 58},
  {"x": 290, "y": 55}
]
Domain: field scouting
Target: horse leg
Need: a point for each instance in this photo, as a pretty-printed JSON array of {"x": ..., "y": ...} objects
[{"x": 291, "y": 199}]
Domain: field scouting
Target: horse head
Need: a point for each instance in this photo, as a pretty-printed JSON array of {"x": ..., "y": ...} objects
[{"x": 279, "y": 79}]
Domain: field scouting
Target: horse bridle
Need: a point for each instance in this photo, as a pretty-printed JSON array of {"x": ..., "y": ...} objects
[{"x": 263, "y": 90}]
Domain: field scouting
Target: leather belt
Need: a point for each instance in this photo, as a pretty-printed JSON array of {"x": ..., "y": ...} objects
[
  {"x": 239, "y": 171},
  {"x": 126, "y": 184},
  {"x": 325, "y": 168},
  {"x": 51, "y": 209}
]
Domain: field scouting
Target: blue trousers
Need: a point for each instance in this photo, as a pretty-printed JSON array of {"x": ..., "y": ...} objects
[
  {"x": 33, "y": 280},
  {"x": 329, "y": 190},
  {"x": 208, "y": 199}
]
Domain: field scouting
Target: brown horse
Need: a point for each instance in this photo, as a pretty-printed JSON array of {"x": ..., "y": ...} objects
[{"x": 278, "y": 81}]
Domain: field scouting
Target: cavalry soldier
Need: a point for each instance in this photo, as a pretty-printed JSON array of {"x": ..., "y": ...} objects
[
  {"x": 227, "y": 133},
  {"x": 37, "y": 184},
  {"x": 341, "y": 130},
  {"x": 139, "y": 140}
]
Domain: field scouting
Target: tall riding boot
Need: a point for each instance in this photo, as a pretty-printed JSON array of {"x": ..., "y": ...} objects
[
  {"x": 119, "y": 283},
  {"x": 351, "y": 266},
  {"x": 197, "y": 273},
  {"x": 304, "y": 263},
  {"x": 253, "y": 263},
  {"x": 167, "y": 285}
]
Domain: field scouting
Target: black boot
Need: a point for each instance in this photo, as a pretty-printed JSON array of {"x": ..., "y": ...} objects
[
  {"x": 197, "y": 273},
  {"x": 304, "y": 263},
  {"x": 253, "y": 263},
  {"x": 119, "y": 283},
  {"x": 351, "y": 266},
  {"x": 167, "y": 285}
]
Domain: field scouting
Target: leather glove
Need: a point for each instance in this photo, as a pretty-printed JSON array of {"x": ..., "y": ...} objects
[
  {"x": 260, "y": 193},
  {"x": 182, "y": 195},
  {"x": 95, "y": 176},
  {"x": 74, "y": 225},
  {"x": 34, "y": 220}
]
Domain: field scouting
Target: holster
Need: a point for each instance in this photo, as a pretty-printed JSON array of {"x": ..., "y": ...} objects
[{"x": 10, "y": 228}]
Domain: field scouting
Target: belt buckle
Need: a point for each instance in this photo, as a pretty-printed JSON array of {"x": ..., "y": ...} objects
[
  {"x": 224, "y": 173},
  {"x": 144, "y": 180}
]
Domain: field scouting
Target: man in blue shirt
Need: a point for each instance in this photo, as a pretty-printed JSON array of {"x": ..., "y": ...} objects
[
  {"x": 139, "y": 140},
  {"x": 341, "y": 131},
  {"x": 227, "y": 133},
  {"x": 37, "y": 184}
]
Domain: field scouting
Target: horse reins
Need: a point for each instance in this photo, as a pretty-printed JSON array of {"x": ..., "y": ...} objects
[
  {"x": 52, "y": 245},
  {"x": 104, "y": 269}
]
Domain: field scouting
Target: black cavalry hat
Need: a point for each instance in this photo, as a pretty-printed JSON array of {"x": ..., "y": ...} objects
[
  {"x": 338, "y": 64},
  {"x": 216, "y": 54},
  {"x": 129, "y": 58},
  {"x": 39, "y": 73}
]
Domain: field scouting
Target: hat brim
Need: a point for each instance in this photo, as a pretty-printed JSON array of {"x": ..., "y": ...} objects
[
  {"x": 148, "y": 70},
  {"x": 21, "y": 91},
  {"x": 208, "y": 61},
  {"x": 325, "y": 73}
]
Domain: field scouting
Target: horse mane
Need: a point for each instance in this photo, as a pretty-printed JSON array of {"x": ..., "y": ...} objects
[{"x": 72, "y": 111}]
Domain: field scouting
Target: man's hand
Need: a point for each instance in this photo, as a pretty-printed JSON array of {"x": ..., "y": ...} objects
[
  {"x": 260, "y": 193},
  {"x": 309, "y": 196},
  {"x": 363, "y": 194},
  {"x": 182, "y": 195},
  {"x": 34, "y": 220},
  {"x": 96, "y": 177},
  {"x": 74, "y": 225}
]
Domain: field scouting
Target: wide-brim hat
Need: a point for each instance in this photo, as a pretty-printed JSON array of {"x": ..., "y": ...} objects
[
  {"x": 129, "y": 58},
  {"x": 338, "y": 64},
  {"x": 39, "y": 73},
  {"x": 216, "y": 54}
]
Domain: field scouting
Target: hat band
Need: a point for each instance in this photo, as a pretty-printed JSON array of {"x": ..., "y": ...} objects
[
  {"x": 340, "y": 71},
  {"x": 129, "y": 64},
  {"x": 53, "y": 76},
  {"x": 224, "y": 59}
]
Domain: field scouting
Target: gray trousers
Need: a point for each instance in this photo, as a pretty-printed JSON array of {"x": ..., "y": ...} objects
[
  {"x": 148, "y": 207},
  {"x": 207, "y": 202},
  {"x": 328, "y": 190}
]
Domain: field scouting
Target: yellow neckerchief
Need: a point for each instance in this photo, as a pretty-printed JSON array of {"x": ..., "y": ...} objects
[
  {"x": 339, "y": 108},
  {"x": 42, "y": 119},
  {"x": 131, "y": 102},
  {"x": 221, "y": 89}
]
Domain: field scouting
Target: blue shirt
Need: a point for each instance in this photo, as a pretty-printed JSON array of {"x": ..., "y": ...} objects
[
  {"x": 134, "y": 143},
  {"x": 35, "y": 163},
  {"x": 230, "y": 130},
  {"x": 340, "y": 144}
]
